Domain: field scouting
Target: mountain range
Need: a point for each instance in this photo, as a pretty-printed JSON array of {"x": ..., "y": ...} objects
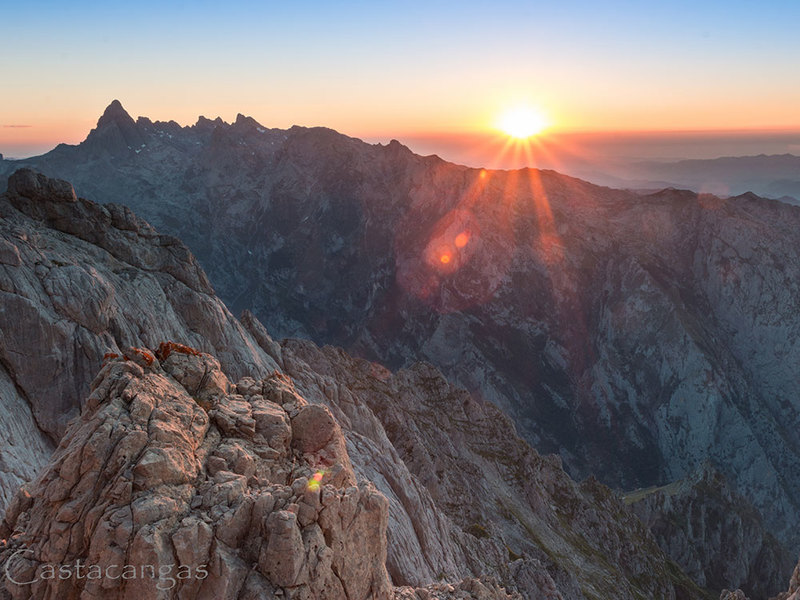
[
  {"x": 637, "y": 337},
  {"x": 422, "y": 490},
  {"x": 771, "y": 176}
]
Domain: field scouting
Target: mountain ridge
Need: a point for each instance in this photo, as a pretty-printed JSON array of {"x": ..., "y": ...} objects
[
  {"x": 636, "y": 336},
  {"x": 770, "y": 175}
]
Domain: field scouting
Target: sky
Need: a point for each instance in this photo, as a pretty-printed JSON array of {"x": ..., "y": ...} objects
[{"x": 406, "y": 70}]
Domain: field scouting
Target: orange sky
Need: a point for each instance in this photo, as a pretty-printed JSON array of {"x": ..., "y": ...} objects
[{"x": 402, "y": 71}]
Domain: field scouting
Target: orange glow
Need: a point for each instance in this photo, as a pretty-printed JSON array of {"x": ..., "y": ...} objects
[
  {"x": 462, "y": 239},
  {"x": 445, "y": 258},
  {"x": 316, "y": 481}
]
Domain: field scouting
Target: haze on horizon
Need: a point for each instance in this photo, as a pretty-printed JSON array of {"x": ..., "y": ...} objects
[{"x": 433, "y": 75}]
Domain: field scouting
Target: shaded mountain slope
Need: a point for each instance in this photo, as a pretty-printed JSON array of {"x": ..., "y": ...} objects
[
  {"x": 486, "y": 481},
  {"x": 713, "y": 534},
  {"x": 169, "y": 451}
]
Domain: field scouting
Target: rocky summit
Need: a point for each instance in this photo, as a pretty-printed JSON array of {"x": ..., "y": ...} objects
[{"x": 315, "y": 475}]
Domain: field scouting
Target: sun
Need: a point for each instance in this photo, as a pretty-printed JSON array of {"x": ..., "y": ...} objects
[{"x": 522, "y": 122}]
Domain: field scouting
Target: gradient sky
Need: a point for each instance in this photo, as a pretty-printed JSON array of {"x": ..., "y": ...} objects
[{"x": 402, "y": 69}]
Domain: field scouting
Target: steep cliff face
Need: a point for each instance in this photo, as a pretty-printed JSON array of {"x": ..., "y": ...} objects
[
  {"x": 794, "y": 587},
  {"x": 171, "y": 464},
  {"x": 467, "y": 495},
  {"x": 79, "y": 280},
  {"x": 635, "y": 336},
  {"x": 714, "y": 534}
]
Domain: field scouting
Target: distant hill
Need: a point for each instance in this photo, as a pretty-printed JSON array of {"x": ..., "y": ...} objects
[{"x": 774, "y": 176}]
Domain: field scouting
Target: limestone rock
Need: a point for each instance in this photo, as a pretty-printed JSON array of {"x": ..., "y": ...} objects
[
  {"x": 147, "y": 477},
  {"x": 200, "y": 373},
  {"x": 79, "y": 281},
  {"x": 735, "y": 595},
  {"x": 169, "y": 459},
  {"x": 467, "y": 498},
  {"x": 36, "y": 186},
  {"x": 714, "y": 534},
  {"x": 312, "y": 427},
  {"x": 794, "y": 587}
]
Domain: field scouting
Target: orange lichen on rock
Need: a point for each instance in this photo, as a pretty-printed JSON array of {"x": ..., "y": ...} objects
[
  {"x": 167, "y": 348},
  {"x": 143, "y": 355},
  {"x": 280, "y": 377},
  {"x": 108, "y": 357}
]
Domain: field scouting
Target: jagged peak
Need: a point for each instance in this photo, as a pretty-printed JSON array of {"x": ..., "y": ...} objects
[
  {"x": 397, "y": 147},
  {"x": 114, "y": 113},
  {"x": 748, "y": 196},
  {"x": 672, "y": 194},
  {"x": 206, "y": 123},
  {"x": 242, "y": 120},
  {"x": 116, "y": 132}
]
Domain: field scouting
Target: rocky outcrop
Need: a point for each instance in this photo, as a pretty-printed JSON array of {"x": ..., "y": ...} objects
[
  {"x": 794, "y": 587},
  {"x": 714, "y": 534},
  {"x": 732, "y": 595},
  {"x": 77, "y": 281},
  {"x": 175, "y": 483},
  {"x": 172, "y": 465},
  {"x": 635, "y": 336}
]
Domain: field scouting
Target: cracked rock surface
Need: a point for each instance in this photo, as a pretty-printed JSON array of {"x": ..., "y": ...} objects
[
  {"x": 79, "y": 280},
  {"x": 148, "y": 476},
  {"x": 238, "y": 491},
  {"x": 169, "y": 459}
]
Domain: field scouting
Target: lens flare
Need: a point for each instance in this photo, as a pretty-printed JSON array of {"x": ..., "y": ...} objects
[{"x": 316, "y": 481}]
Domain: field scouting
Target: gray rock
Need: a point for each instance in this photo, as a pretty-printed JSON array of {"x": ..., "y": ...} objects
[
  {"x": 120, "y": 491},
  {"x": 164, "y": 437},
  {"x": 36, "y": 186},
  {"x": 78, "y": 281},
  {"x": 468, "y": 498},
  {"x": 794, "y": 587},
  {"x": 714, "y": 534},
  {"x": 735, "y": 595}
]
